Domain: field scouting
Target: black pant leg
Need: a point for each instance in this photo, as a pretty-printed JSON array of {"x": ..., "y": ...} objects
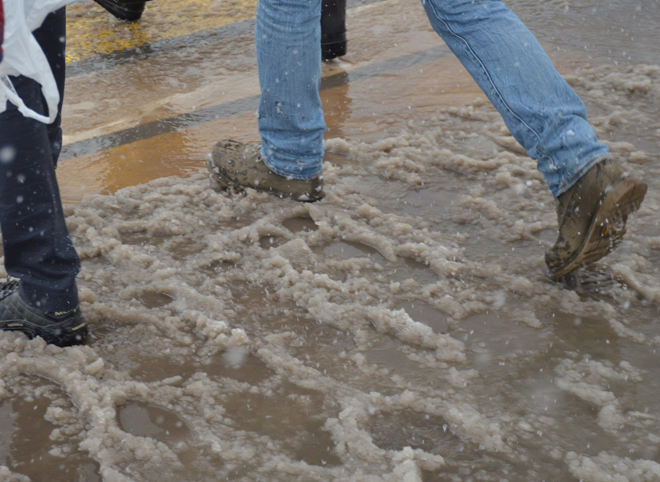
[
  {"x": 37, "y": 246},
  {"x": 52, "y": 39},
  {"x": 333, "y": 29}
]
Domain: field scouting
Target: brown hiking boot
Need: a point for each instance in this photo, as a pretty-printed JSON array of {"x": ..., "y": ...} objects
[
  {"x": 233, "y": 164},
  {"x": 592, "y": 217}
]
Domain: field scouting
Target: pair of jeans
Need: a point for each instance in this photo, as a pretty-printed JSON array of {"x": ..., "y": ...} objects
[
  {"x": 37, "y": 246},
  {"x": 540, "y": 109}
]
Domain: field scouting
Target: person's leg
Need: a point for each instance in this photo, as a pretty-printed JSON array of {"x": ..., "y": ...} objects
[
  {"x": 37, "y": 246},
  {"x": 2, "y": 28},
  {"x": 52, "y": 40},
  {"x": 289, "y": 161},
  {"x": 333, "y": 29},
  {"x": 595, "y": 195},
  {"x": 540, "y": 109},
  {"x": 290, "y": 115}
]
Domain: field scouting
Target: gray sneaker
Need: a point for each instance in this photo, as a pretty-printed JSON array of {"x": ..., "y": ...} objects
[
  {"x": 592, "y": 217},
  {"x": 61, "y": 329},
  {"x": 233, "y": 164}
]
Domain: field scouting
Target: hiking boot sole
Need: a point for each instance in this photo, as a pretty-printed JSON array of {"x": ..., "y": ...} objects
[
  {"x": 220, "y": 181},
  {"x": 608, "y": 225},
  {"x": 65, "y": 333}
]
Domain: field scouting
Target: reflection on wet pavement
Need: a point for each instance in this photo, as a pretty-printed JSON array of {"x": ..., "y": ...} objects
[
  {"x": 288, "y": 417},
  {"x": 145, "y": 420},
  {"x": 298, "y": 224},
  {"x": 152, "y": 299},
  {"x": 412, "y": 429},
  {"x": 350, "y": 249}
]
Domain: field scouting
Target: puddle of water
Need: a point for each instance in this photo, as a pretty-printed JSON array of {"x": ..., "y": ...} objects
[
  {"x": 146, "y": 420},
  {"x": 26, "y": 448},
  {"x": 320, "y": 339},
  {"x": 428, "y": 199},
  {"x": 385, "y": 353},
  {"x": 151, "y": 369},
  {"x": 575, "y": 24},
  {"x": 430, "y": 203},
  {"x": 290, "y": 416},
  {"x": 240, "y": 366},
  {"x": 350, "y": 249},
  {"x": 495, "y": 336},
  {"x": 6, "y": 430},
  {"x": 317, "y": 448},
  {"x": 154, "y": 299},
  {"x": 300, "y": 224},
  {"x": 584, "y": 334},
  {"x": 483, "y": 249},
  {"x": 406, "y": 428}
]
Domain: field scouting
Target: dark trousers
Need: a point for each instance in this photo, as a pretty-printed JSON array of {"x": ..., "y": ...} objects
[{"x": 37, "y": 246}]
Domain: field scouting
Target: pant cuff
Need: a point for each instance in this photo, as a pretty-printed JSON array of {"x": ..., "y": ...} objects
[
  {"x": 49, "y": 301},
  {"x": 301, "y": 169},
  {"x": 566, "y": 184}
]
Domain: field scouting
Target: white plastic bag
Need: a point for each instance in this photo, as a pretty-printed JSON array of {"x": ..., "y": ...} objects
[{"x": 23, "y": 56}]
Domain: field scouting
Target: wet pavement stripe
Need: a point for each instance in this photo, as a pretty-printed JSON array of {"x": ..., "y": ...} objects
[
  {"x": 114, "y": 59},
  {"x": 239, "y": 106},
  {"x": 99, "y": 43},
  {"x": 93, "y": 31}
]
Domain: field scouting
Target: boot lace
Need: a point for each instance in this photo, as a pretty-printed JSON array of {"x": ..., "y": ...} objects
[{"x": 8, "y": 287}]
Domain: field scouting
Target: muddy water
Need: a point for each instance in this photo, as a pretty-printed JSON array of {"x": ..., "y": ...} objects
[{"x": 402, "y": 330}]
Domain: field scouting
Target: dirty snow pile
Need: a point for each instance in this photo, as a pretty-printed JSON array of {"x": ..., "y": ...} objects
[{"x": 401, "y": 330}]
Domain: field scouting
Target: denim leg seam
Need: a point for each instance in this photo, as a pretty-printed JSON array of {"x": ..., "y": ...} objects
[{"x": 495, "y": 89}]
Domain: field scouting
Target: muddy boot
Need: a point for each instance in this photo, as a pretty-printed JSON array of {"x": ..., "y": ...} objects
[
  {"x": 333, "y": 29},
  {"x": 130, "y": 10},
  {"x": 233, "y": 164},
  {"x": 61, "y": 329},
  {"x": 592, "y": 217}
]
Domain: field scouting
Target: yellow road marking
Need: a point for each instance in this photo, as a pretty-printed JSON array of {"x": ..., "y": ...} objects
[{"x": 92, "y": 31}]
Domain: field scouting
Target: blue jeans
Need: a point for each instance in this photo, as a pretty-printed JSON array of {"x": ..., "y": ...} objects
[{"x": 540, "y": 109}]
